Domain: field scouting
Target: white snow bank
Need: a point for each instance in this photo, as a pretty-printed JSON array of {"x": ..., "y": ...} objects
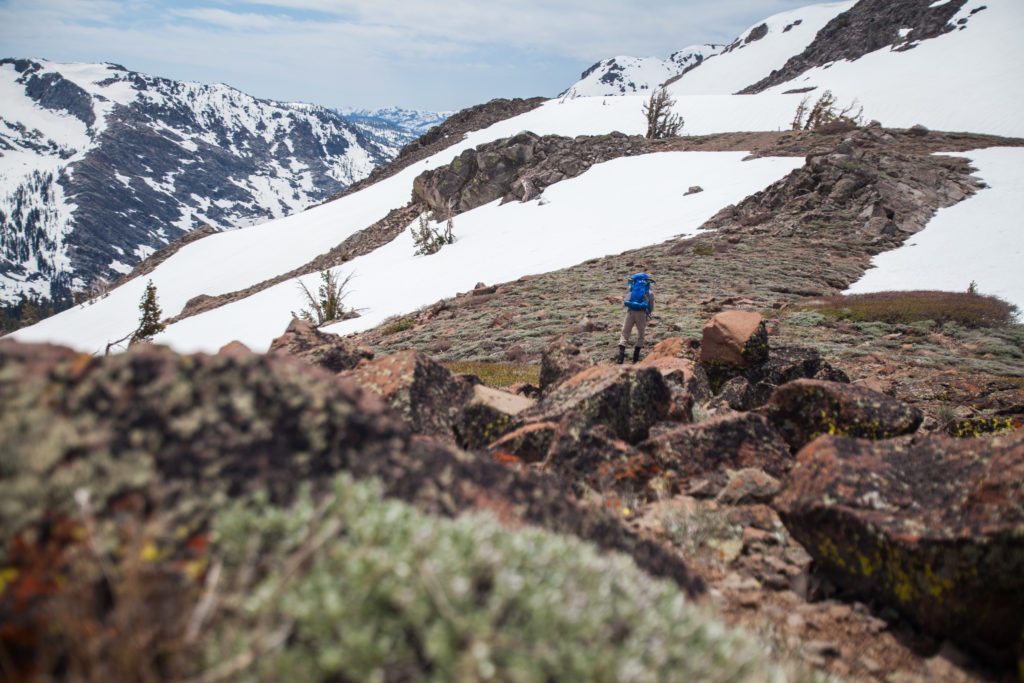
[
  {"x": 745, "y": 65},
  {"x": 615, "y": 206},
  {"x": 981, "y": 239}
]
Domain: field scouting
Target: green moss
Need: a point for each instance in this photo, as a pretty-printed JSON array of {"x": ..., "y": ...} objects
[
  {"x": 400, "y": 325},
  {"x": 498, "y": 375}
]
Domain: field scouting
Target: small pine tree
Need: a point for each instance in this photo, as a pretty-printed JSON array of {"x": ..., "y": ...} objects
[
  {"x": 29, "y": 314},
  {"x": 149, "y": 316},
  {"x": 825, "y": 111},
  {"x": 326, "y": 306},
  {"x": 428, "y": 240},
  {"x": 661, "y": 122}
]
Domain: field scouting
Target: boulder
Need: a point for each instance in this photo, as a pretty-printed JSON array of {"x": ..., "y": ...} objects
[
  {"x": 933, "y": 527},
  {"x": 422, "y": 391},
  {"x": 487, "y": 415},
  {"x": 807, "y": 408},
  {"x": 731, "y": 442},
  {"x": 628, "y": 400},
  {"x": 529, "y": 443},
  {"x": 688, "y": 383},
  {"x": 592, "y": 458},
  {"x": 734, "y": 338},
  {"x": 561, "y": 361},
  {"x": 756, "y": 384},
  {"x": 303, "y": 340}
]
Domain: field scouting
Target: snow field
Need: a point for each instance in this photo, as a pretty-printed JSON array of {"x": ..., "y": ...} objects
[
  {"x": 981, "y": 239},
  {"x": 615, "y": 206}
]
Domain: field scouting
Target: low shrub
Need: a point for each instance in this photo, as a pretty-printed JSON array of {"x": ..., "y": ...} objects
[
  {"x": 360, "y": 588},
  {"x": 498, "y": 374},
  {"x": 901, "y": 308},
  {"x": 400, "y": 325}
]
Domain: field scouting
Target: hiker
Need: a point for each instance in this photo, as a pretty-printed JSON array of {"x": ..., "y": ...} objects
[{"x": 639, "y": 307}]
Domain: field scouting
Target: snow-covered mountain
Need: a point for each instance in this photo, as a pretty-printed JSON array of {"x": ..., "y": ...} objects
[
  {"x": 631, "y": 75},
  {"x": 961, "y": 74},
  {"x": 101, "y": 166}
]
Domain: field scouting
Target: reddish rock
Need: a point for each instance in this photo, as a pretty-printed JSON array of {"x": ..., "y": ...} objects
[
  {"x": 422, "y": 391},
  {"x": 706, "y": 450},
  {"x": 628, "y": 400},
  {"x": 560, "y": 362},
  {"x": 488, "y": 415},
  {"x": 687, "y": 383},
  {"x": 734, "y": 338},
  {"x": 529, "y": 443},
  {"x": 806, "y": 408},
  {"x": 303, "y": 340},
  {"x": 932, "y": 527}
]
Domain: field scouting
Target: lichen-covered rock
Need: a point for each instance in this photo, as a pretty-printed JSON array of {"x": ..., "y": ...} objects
[
  {"x": 628, "y": 400},
  {"x": 979, "y": 426},
  {"x": 753, "y": 386},
  {"x": 488, "y": 415},
  {"x": 303, "y": 340},
  {"x": 529, "y": 443},
  {"x": 561, "y": 361},
  {"x": 592, "y": 458},
  {"x": 804, "y": 409},
  {"x": 734, "y": 338},
  {"x": 932, "y": 527},
  {"x": 688, "y": 384},
  {"x": 422, "y": 391},
  {"x": 732, "y": 442},
  {"x": 148, "y": 445}
]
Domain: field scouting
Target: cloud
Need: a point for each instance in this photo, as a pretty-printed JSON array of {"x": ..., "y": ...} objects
[{"x": 371, "y": 52}]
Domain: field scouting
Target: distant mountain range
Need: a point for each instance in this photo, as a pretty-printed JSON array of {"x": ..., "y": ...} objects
[{"x": 101, "y": 166}]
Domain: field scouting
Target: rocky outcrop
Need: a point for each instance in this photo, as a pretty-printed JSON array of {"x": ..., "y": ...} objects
[
  {"x": 304, "y": 341},
  {"x": 422, "y": 391},
  {"x": 756, "y": 384},
  {"x": 867, "y": 26},
  {"x": 626, "y": 400},
  {"x": 933, "y": 527},
  {"x": 529, "y": 443},
  {"x": 805, "y": 409},
  {"x": 560, "y": 361},
  {"x": 705, "y": 451},
  {"x": 516, "y": 168}
]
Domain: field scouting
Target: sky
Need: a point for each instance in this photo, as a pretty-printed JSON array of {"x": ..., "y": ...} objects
[{"x": 371, "y": 53}]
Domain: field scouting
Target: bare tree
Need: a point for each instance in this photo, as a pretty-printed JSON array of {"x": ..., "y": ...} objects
[{"x": 661, "y": 122}]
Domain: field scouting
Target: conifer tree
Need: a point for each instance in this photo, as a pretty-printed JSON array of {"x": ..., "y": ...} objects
[
  {"x": 661, "y": 122},
  {"x": 149, "y": 316}
]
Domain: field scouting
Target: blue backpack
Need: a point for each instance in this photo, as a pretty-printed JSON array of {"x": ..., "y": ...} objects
[{"x": 639, "y": 287}]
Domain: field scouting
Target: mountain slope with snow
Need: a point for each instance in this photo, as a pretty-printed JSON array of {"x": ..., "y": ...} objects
[
  {"x": 101, "y": 166},
  {"x": 958, "y": 80},
  {"x": 631, "y": 75}
]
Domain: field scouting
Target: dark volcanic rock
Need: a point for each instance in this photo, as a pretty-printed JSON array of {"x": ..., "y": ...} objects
[
  {"x": 934, "y": 528},
  {"x": 303, "y": 340},
  {"x": 561, "y": 361},
  {"x": 627, "y": 400},
  {"x": 804, "y": 409},
  {"x": 422, "y": 391},
  {"x": 708, "y": 449},
  {"x": 593, "y": 458}
]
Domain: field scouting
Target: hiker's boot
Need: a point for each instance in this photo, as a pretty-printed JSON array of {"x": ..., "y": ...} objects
[
  {"x": 636, "y": 354},
  {"x": 622, "y": 355}
]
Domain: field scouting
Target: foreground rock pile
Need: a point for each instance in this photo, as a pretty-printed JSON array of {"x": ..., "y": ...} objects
[{"x": 930, "y": 528}]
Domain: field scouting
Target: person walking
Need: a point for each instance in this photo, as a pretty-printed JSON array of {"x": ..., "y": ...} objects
[{"x": 639, "y": 307}]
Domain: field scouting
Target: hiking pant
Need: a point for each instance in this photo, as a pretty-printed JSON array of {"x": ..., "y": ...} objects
[{"x": 638, "y": 318}]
